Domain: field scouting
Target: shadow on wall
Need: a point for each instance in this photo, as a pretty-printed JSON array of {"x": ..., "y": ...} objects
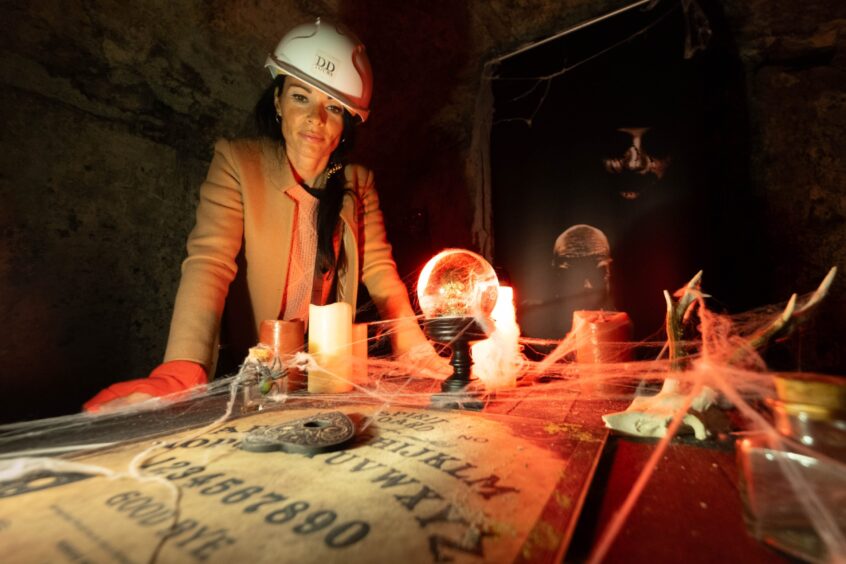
[{"x": 419, "y": 52}]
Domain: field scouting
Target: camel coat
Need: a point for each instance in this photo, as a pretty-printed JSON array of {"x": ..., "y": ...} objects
[{"x": 244, "y": 227}]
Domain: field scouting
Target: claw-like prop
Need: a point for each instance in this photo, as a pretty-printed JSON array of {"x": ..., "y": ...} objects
[
  {"x": 791, "y": 317},
  {"x": 650, "y": 416}
]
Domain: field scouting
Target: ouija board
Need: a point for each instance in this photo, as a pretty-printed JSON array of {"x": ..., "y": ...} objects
[{"x": 413, "y": 485}]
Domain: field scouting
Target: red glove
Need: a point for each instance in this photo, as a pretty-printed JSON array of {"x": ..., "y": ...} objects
[{"x": 167, "y": 378}]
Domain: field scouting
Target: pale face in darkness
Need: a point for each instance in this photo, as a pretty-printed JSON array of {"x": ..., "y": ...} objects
[{"x": 312, "y": 122}]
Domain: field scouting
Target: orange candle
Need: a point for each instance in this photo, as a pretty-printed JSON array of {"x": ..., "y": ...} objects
[
  {"x": 359, "y": 353},
  {"x": 285, "y": 338},
  {"x": 602, "y": 336}
]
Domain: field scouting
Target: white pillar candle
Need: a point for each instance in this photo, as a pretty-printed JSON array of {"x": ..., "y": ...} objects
[
  {"x": 497, "y": 360},
  {"x": 329, "y": 341}
]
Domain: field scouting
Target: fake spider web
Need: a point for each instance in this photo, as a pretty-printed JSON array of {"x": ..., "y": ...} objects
[{"x": 720, "y": 358}]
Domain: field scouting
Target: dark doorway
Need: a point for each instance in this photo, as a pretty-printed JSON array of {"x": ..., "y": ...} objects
[{"x": 624, "y": 172}]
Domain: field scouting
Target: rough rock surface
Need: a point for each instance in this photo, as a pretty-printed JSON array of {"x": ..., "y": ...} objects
[{"x": 794, "y": 57}]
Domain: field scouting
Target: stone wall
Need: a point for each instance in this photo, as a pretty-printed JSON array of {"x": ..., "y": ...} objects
[
  {"x": 794, "y": 56},
  {"x": 110, "y": 110}
]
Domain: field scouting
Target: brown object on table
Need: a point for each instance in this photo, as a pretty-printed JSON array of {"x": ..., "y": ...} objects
[
  {"x": 827, "y": 392},
  {"x": 359, "y": 353},
  {"x": 812, "y": 409},
  {"x": 285, "y": 338},
  {"x": 602, "y": 337}
]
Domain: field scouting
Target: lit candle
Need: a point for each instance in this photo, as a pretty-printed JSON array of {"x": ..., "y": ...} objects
[{"x": 329, "y": 342}]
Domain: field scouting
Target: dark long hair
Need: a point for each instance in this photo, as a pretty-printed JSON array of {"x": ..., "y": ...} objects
[{"x": 332, "y": 196}]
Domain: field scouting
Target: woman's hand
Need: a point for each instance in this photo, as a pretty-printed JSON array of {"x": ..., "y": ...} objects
[
  {"x": 423, "y": 359},
  {"x": 166, "y": 379},
  {"x": 115, "y": 404}
]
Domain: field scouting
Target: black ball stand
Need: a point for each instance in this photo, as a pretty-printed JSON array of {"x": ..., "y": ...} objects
[{"x": 457, "y": 333}]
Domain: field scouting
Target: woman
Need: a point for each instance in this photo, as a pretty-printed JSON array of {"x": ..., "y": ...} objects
[{"x": 284, "y": 214}]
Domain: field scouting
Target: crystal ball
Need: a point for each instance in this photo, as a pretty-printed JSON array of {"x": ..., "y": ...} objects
[{"x": 457, "y": 283}]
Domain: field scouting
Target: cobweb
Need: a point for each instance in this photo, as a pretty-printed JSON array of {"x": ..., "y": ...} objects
[{"x": 717, "y": 356}]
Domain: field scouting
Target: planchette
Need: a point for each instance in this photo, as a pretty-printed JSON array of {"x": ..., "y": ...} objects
[{"x": 314, "y": 434}]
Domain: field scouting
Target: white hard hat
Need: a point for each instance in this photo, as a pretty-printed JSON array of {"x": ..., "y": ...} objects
[{"x": 330, "y": 58}]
